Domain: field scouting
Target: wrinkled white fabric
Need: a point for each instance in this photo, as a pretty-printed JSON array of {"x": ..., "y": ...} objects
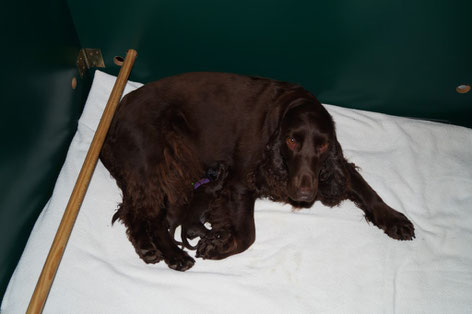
[{"x": 310, "y": 261}]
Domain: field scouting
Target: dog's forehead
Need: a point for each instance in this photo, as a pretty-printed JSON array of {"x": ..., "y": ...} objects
[{"x": 308, "y": 119}]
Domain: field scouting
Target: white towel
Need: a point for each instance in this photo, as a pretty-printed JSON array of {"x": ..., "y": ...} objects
[{"x": 315, "y": 260}]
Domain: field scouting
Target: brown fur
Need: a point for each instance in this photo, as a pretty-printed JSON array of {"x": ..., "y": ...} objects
[{"x": 267, "y": 138}]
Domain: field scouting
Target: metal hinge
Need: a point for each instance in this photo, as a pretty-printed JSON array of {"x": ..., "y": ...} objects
[{"x": 89, "y": 58}]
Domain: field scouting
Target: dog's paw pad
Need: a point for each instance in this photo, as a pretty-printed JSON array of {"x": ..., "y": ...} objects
[
  {"x": 181, "y": 262},
  {"x": 395, "y": 225},
  {"x": 150, "y": 256},
  {"x": 400, "y": 228}
]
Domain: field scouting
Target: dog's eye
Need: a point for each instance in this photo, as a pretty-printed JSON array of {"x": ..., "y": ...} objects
[
  {"x": 324, "y": 147},
  {"x": 291, "y": 143}
]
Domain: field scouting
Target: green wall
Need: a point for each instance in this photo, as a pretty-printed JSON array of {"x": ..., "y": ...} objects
[
  {"x": 39, "y": 112},
  {"x": 399, "y": 57}
]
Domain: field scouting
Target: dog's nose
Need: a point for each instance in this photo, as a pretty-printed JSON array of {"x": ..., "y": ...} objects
[
  {"x": 305, "y": 188},
  {"x": 305, "y": 182},
  {"x": 305, "y": 194}
]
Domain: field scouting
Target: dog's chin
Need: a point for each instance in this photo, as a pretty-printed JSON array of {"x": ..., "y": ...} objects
[{"x": 297, "y": 204}]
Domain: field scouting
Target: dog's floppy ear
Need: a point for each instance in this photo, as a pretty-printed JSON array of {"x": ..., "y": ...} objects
[
  {"x": 276, "y": 115},
  {"x": 272, "y": 152},
  {"x": 270, "y": 176},
  {"x": 333, "y": 179}
]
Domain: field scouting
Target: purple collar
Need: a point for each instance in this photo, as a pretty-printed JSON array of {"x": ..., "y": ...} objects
[{"x": 200, "y": 182}]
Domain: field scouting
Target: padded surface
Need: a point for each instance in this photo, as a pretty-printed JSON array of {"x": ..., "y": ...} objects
[{"x": 315, "y": 260}]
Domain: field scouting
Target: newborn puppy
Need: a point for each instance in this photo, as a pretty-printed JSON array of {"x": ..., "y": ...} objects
[{"x": 194, "y": 215}]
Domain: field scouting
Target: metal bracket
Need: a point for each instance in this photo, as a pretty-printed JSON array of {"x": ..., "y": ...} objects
[{"x": 89, "y": 58}]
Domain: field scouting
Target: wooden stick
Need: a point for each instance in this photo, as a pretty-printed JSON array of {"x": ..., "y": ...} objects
[{"x": 70, "y": 214}]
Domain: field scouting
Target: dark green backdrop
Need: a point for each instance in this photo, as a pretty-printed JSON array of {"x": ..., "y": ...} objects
[
  {"x": 39, "y": 112},
  {"x": 398, "y": 57}
]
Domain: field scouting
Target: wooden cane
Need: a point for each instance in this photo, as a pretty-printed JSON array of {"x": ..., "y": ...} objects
[{"x": 77, "y": 196}]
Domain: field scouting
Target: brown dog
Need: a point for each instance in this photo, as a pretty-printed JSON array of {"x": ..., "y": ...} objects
[{"x": 274, "y": 138}]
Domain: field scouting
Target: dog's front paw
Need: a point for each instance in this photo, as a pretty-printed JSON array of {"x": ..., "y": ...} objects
[
  {"x": 400, "y": 228},
  {"x": 216, "y": 245},
  {"x": 150, "y": 255},
  {"x": 180, "y": 261},
  {"x": 394, "y": 224}
]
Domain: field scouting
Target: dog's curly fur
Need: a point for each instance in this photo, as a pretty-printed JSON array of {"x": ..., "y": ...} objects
[{"x": 265, "y": 138}]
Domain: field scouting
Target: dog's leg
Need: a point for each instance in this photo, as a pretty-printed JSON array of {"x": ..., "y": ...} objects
[
  {"x": 142, "y": 243},
  {"x": 151, "y": 239},
  {"x": 147, "y": 227},
  {"x": 232, "y": 220},
  {"x": 392, "y": 222},
  {"x": 175, "y": 258}
]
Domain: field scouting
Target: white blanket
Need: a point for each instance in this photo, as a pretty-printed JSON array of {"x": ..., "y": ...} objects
[{"x": 315, "y": 260}]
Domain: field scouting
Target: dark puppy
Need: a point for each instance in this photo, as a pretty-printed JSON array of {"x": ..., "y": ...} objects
[
  {"x": 191, "y": 217},
  {"x": 277, "y": 139}
]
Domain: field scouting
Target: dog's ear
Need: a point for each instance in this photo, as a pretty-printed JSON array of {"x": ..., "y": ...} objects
[
  {"x": 273, "y": 154},
  {"x": 270, "y": 176},
  {"x": 276, "y": 115},
  {"x": 333, "y": 178}
]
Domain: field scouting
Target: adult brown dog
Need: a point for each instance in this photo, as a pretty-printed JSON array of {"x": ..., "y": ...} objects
[{"x": 274, "y": 139}]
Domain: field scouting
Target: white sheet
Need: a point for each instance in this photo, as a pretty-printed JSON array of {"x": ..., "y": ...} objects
[{"x": 315, "y": 260}]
